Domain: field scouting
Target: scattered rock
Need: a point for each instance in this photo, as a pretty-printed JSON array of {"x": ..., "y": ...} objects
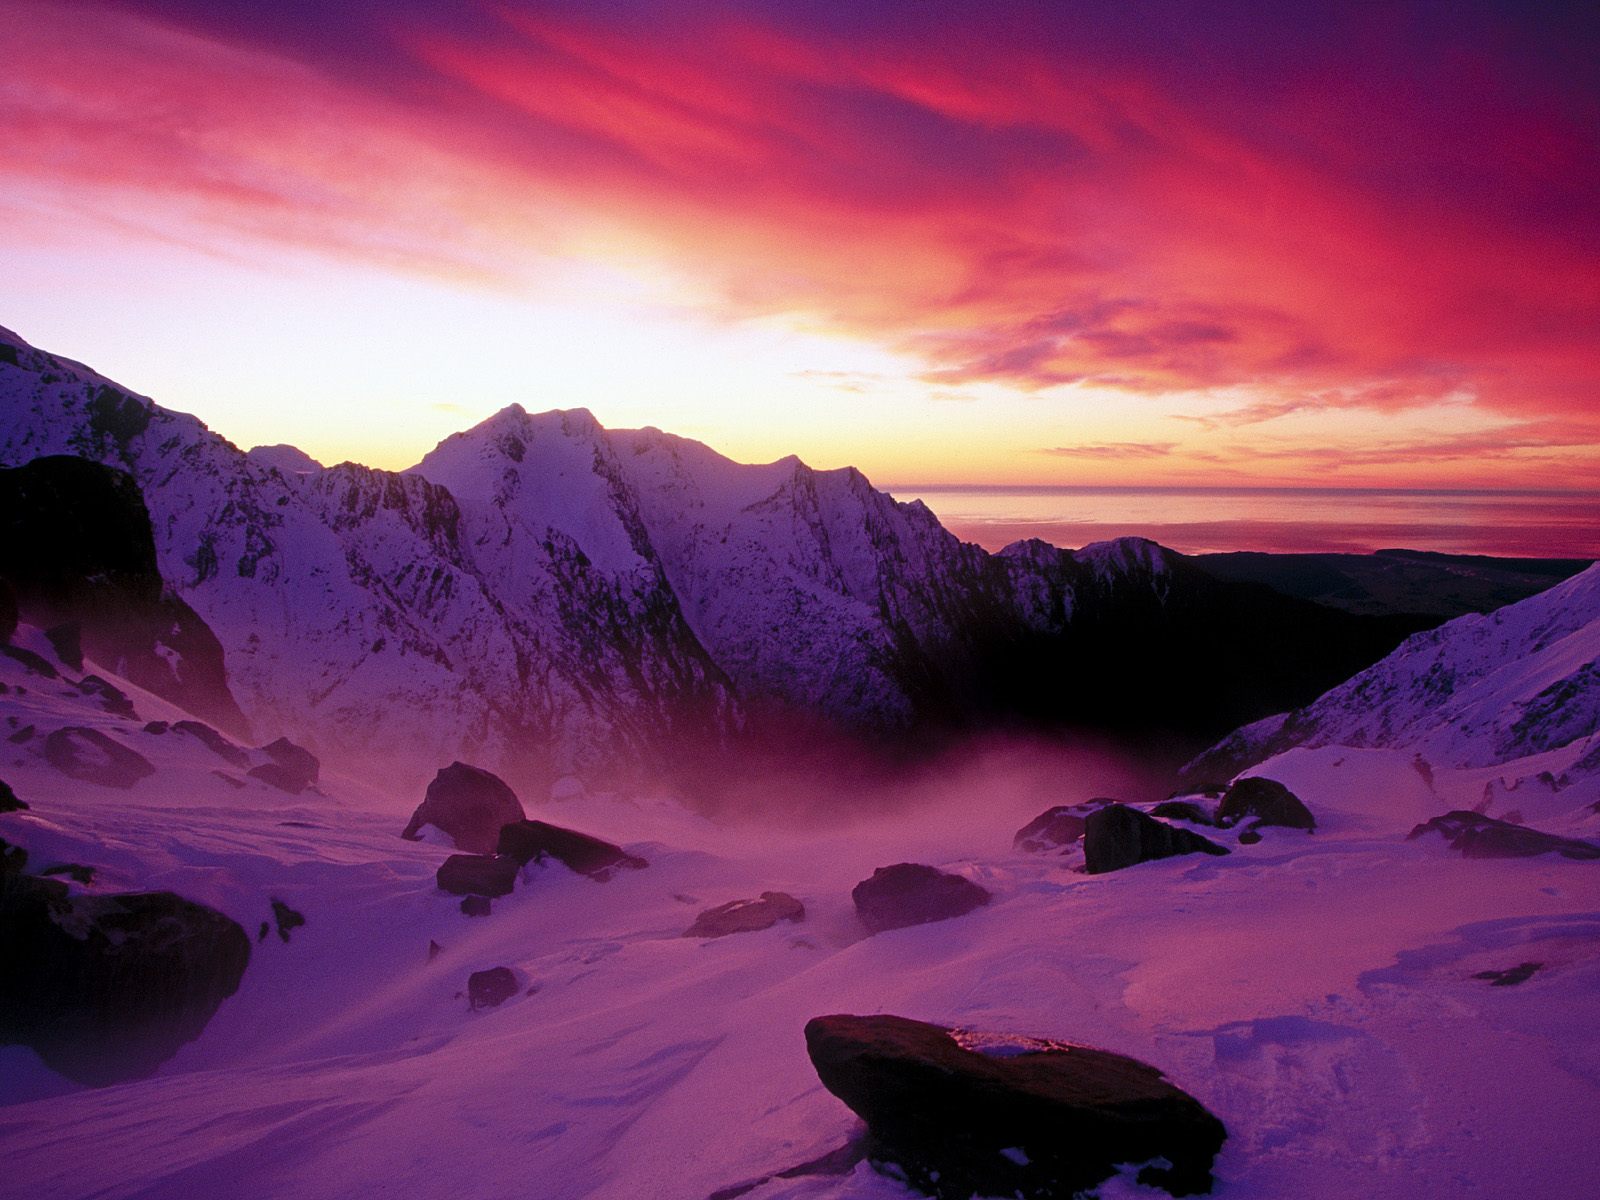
[
  {"x": 107, "y": 988},
  {"x": 8, "y": 799},
  {"x": 478, "y": 875},
  {"x": 1478, "y": 836},
  {"x": 1268, "y": 801},
  {"x": 491, "y": 988},
  {"x": 280, "y": 777},
  {"x": 112, "y": 698},
  {"x": 266, "y": 928},
  {"x": 470, "y": 805},
  {"x": 1511, "y": 976},
  {"x": 476, "y": 906},
  {"x": 296, "y": 761},
  {"x": 66, "y": 639},
  {"x": 13, "y": 859},
  {"x": 224, "y": 748},
  {"x": 839, "y": 1161},
  {"x": 1118, "y": 836},
  {"x": 76, "y": 872},
  {"x": 996, "y": 1115},
  {"x": 1052, "y": 829},
  {"x": 914, "y": 894},
  {"x": 526, "y": 841},
  {"x": 747, "y": 916},
  {"x": 22, "y": 736},
  {"x": 286, "y": 919},
  {"x": 87, "y": 754},
  {"x": 1249, "y": 837},
  {"x": 157, "y": 727},
  {"x": 1182, "y": 810},
  {"x": 232, "y": 781},
  {"x": 434, "y": 949}
]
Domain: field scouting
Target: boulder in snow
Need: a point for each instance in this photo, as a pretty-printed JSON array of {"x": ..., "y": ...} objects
[
  {"x": 747, "y": 916},
  {"x": 491, "y": 988},
  {"x": 478, "y": 875},
  {"x": 297, "y": 768},
  {"x": 1118, "y": 836},
  {"x": 1478, "y": 836},
  {"x": 1055, "y": 828},
  {"x": 914, "y": 894},
  {"x": 8, "y": 799},
  {"x": 1182, "y": 810},
  {"x": 526, "y": 841},
  {"x": 1268, "y": 801},
  {"x": 87, "y": 754},
  {"x": 469, "y": 805},
  {"x": 107, "y": 988},
  {"x": 965, "y": 1114}
]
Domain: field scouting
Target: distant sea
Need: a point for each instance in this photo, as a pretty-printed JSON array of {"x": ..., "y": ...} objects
[{"x": 1525, "y": 524}]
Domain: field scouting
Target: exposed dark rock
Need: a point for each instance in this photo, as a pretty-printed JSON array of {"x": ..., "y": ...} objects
[
  {"x": 112, "y": 698},
  {"x": 747, "y": 916},
  {"x": 1249, "y": 837},
  {"x": 1054, "y": 828},
  {"x": 107, "y": 988},
  {"x": 1182, "y": 810},
  {"x": 1029, "y": 1117},
  {"x": 1478, "y": 836},
  {"x": 157, "y": 727},
  {"x": 8, "y": 799},
  {"x": 478, "y": 875},
  {"x": 491, "y": 988},
  {"x": 261, "y": 933},
  {"x": 279, "y": 777},
  {"x": 285, "y": 918},
  {"x": 469, "y": 805},
  {"x": 1511, "y": 976},
  {"x": 526, "y": 841},
  {"x": 434, "y": 949},
  {"x": 232, "y": 781},
  {"x": 22, "y": 736},
  {"x": 76, "y": 546},
  {"x": 34, "y": 664},
  {"x": 66, "y": 640},
  {"x": 13, "y": 859},
  {"x": 476, "y": 906},
  {"x": 224, "y": 748},
  {"x": 839, "y": 1161},
  {"x": 914, "y": 894},
  {"x": 76, "y": 872},
  {"x": 87, "y": 754},
  {"x": 296, "y": 762},
  {"x": 1268, "y": 801},
  {"x": 1118, "y": 836}
]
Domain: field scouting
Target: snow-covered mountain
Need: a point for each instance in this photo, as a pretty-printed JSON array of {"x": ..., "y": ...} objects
[
  {"x": 1514, "y": 693},
  {"x": 547, "y": 596}
]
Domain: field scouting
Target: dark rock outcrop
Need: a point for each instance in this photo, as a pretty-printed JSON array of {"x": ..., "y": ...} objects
[
  {"x": 747, "y": 916},
  {"x": 1118, "y": 836},
  {"x": 77, "y": 549},
  {"x": 528, "y": 841},
  {"x": 107, "y": 988},
  {"x": 79, "y": 752},
  {"x": 9, "y": 801},
  {"x": 478, "y": 875},
  {"x": 1182, "y": 810},
  {"x": 224, "y": 748},
  {"x": 963, "y": 1114},
  {"x": 293, "y": 768},
  {"x": 491, "y": 988},
  {"x": 1055, "y": 828},
  {"x": 13, "y": 859},
  {"x": 914, "y": 894},
  {"x": 286, "y": 918},
  {"x": 469, "y": 805},
  {"x": 1268, "y": 801},
  {"x": 476, "y": 906},
  {"x": 1478, "y": 836}
]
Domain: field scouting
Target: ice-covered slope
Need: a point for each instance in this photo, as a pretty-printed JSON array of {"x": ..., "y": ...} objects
[
  {"x": 1321, "y": 993},
  {"x": 1517, "y": 690}
]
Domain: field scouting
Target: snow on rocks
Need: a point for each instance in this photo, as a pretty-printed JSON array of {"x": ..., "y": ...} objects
[
  {"x": 1116, "y": 837},
  {"x": 1052, "y": 1120},
  {"x": 533, "y": 841},
  {"x": 488, "y": 875},
  {"x": 1477, "y": 836},
  {"x": 747, "y": 916},
  {"x": 1267, "y": 801}
]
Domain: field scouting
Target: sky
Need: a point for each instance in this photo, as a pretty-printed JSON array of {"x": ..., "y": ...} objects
[{"x": 950, "y": 243}]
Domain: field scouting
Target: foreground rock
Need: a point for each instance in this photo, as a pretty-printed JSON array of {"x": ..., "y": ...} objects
[
  {"x": 529, "y": 841},
  {"x": 1478, "y": 836},
  {"x": 469, "y": 806},
  {"x": 9, "y": 802},
  {"x": 1056, "y": 828},
  {"x": 1268, "y": 801},
  {"x": 747, "y": 916},
  {"x": 107, "y": 988},
  {"x": 964, "y": 1114},
  {"x": 1118, "y": 836},
  {"x": 491, "y": 988},
  {"x": 914, "y": 894},
  {"x": 478, "y": 875},
  {"x": 79, "y": 752}
]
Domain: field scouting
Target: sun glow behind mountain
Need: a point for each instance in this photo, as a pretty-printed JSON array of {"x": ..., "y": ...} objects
[{"x": 938, "y": 243}]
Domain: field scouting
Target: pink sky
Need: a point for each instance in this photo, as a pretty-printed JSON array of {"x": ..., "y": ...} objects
[{"x": 1339, "y": 244}]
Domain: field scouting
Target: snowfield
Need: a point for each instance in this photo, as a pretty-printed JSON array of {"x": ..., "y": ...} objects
[{"x": 1317, "y": 992}]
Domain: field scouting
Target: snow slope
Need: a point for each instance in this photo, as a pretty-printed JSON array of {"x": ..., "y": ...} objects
[{"x": 1317, "y": 992}]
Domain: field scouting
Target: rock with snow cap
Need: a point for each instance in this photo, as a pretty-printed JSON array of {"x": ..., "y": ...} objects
[
  {"x": 1118, "y": 836},
  {"x": 747, "y": 916},
  {"x": 1266, "y": 800},
  {"x": 963, "y": 1114},
  {"x": 531, "y": 841},
  {"x": 1475, "y": 835}
]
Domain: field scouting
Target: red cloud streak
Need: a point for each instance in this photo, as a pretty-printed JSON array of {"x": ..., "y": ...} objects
[{"x": 1369, "y": 210}]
